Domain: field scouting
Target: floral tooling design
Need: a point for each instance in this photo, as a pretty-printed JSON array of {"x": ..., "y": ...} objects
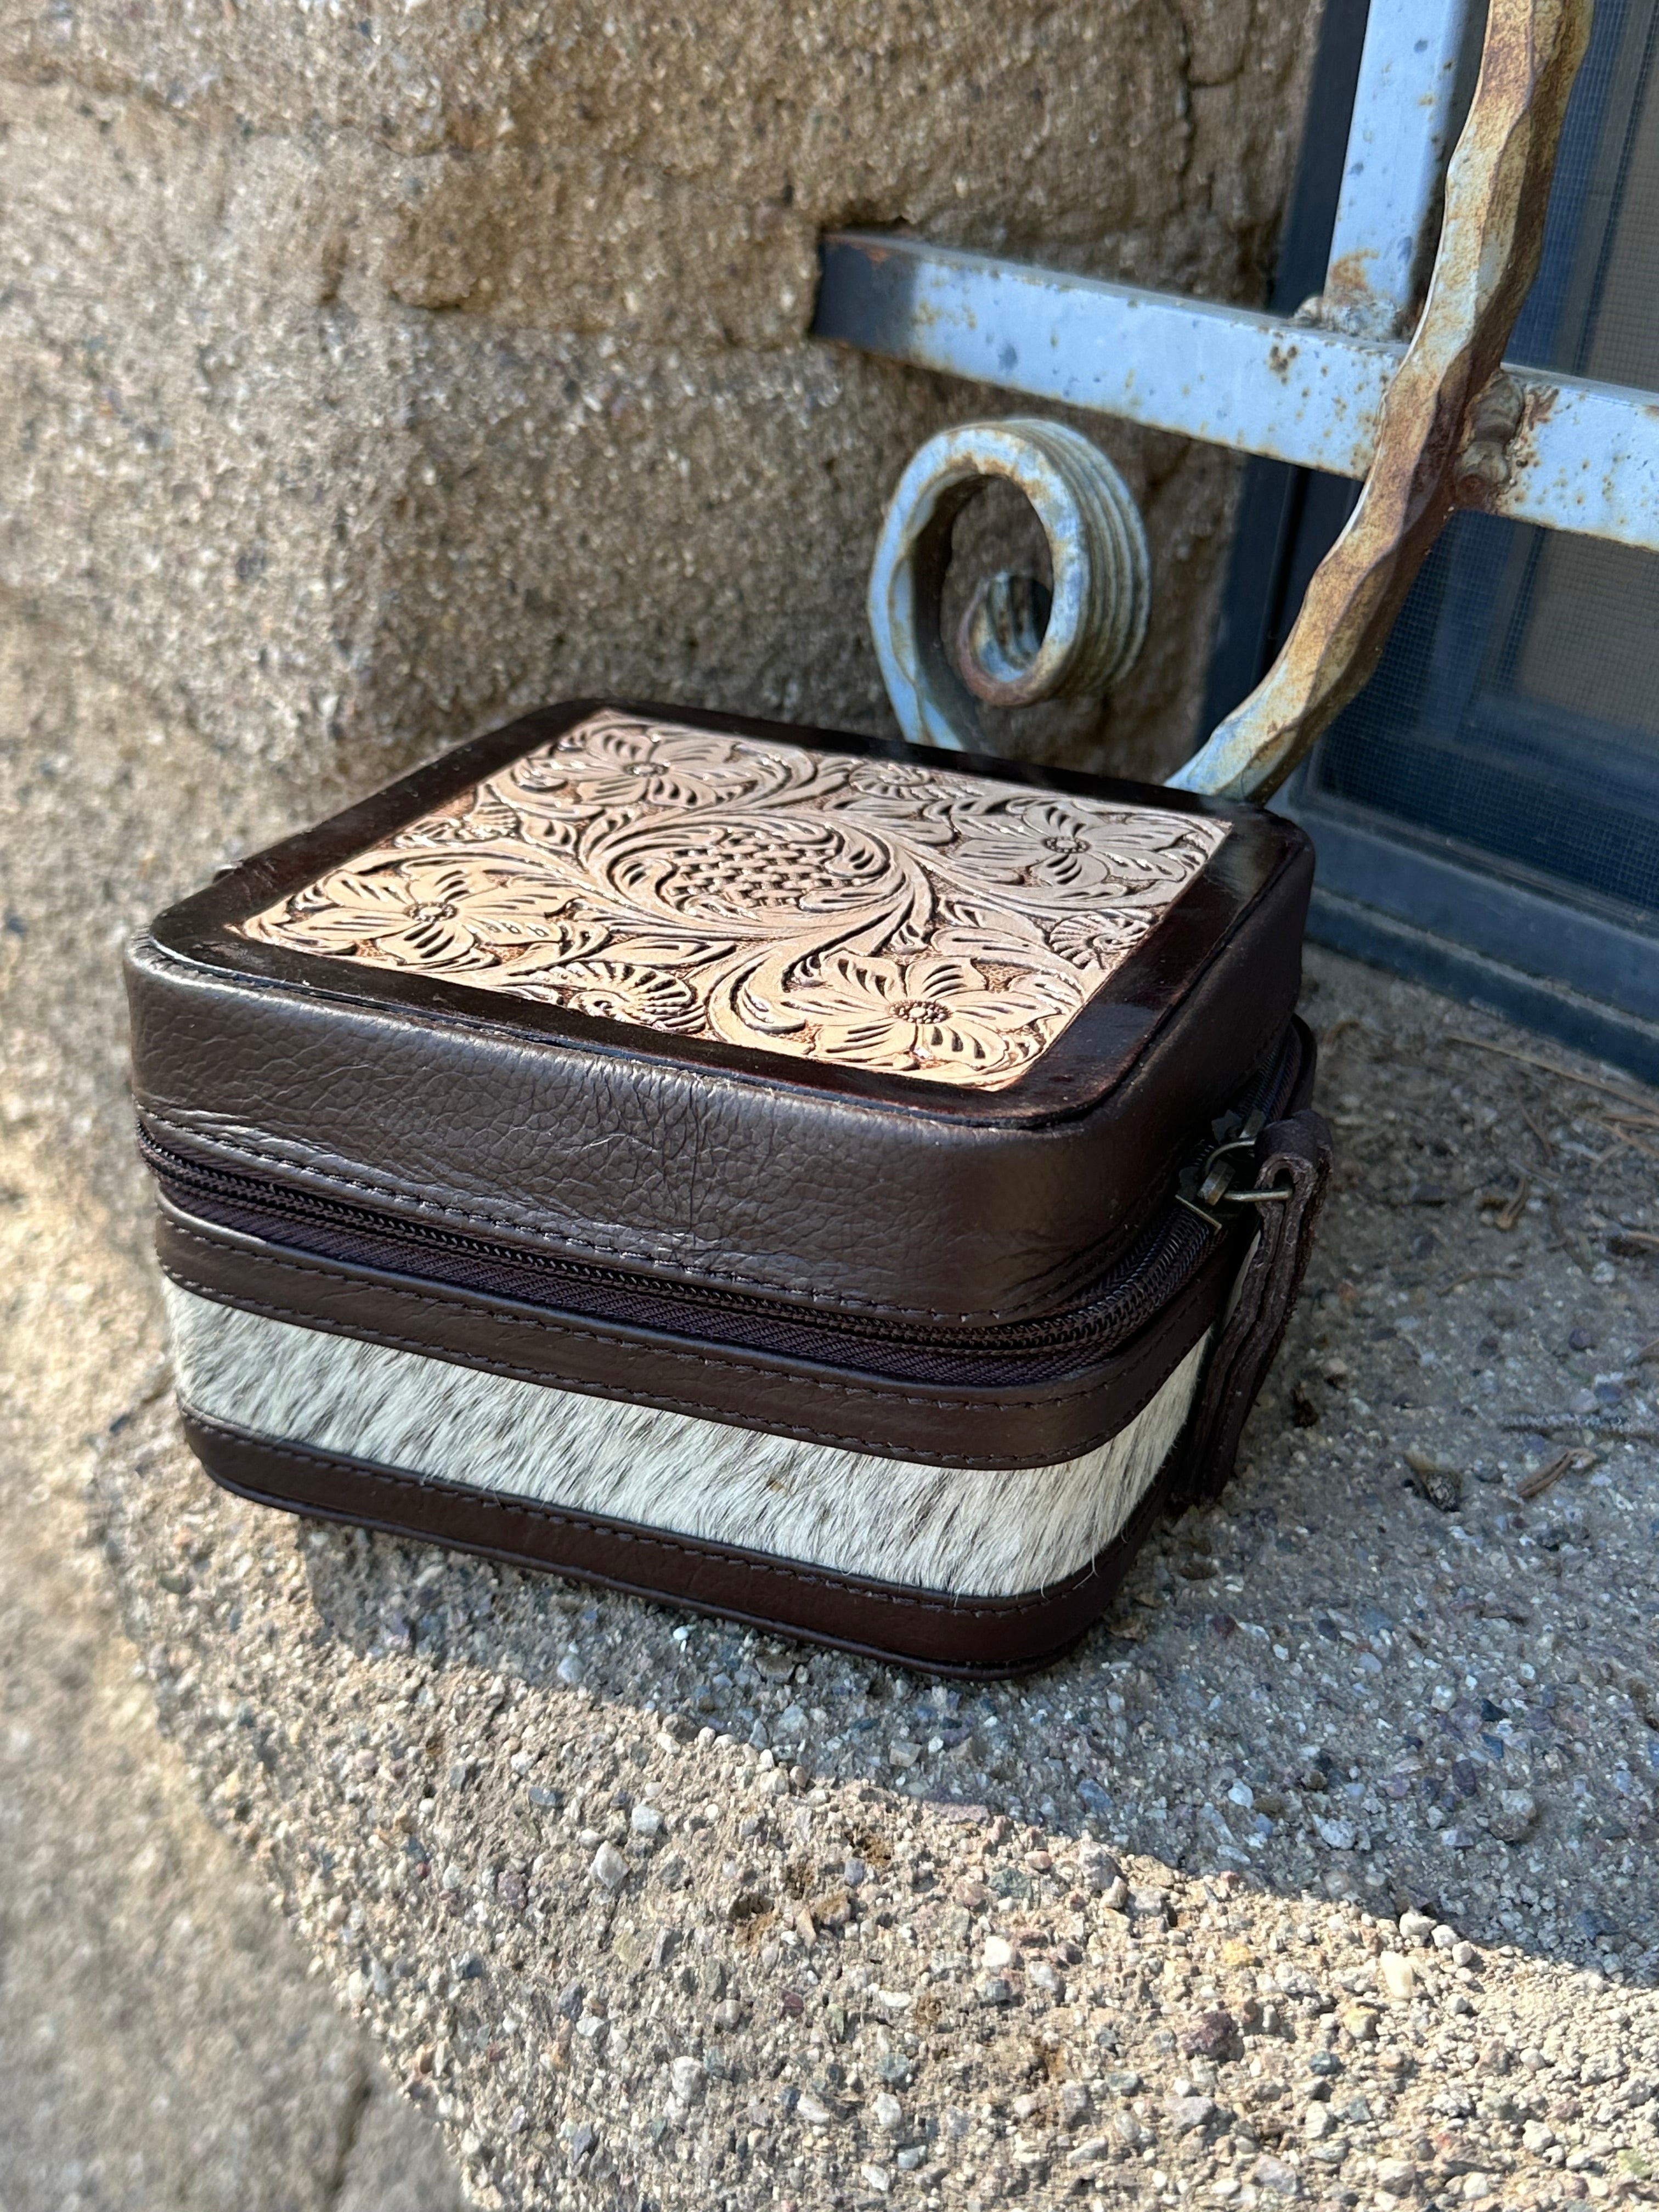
[{"x": 865, "y": 913}]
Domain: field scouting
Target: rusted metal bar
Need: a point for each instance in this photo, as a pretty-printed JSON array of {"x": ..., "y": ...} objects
[
  {"x": 1441, "y": 424},
  {"x": 1229, "y": 376},
  {"x": 1584, "y": 457}
]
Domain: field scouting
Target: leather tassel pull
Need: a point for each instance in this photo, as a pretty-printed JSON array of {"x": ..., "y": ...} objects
[{"x": 1293, "y": 1155}]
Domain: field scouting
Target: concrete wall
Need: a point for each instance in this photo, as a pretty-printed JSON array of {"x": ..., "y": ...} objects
[{"x": 369, "y": 373}]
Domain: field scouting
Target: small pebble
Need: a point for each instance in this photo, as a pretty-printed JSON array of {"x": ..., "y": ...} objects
[
  {"x": 1441, "y": 1485},
  {"x": 1515, "y": 1816},
  {"x": 687, "y": 2076},
  {"x": 1187, "y": 2113},
  {"x": 1398, "y": 1976},
  {"x": 1213, "y": 2035},
  {"x": 1277, "y": 2177},
  {"x": 609, "y": 1867}
]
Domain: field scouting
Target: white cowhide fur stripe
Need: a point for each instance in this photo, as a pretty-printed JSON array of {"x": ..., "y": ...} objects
[{"x": 968, "y": 1531}]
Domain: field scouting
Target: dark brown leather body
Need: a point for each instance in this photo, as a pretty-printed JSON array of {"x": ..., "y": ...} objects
[
  {"x": 702, "y": 1164},
  {"x": 970, "y": 1636}
]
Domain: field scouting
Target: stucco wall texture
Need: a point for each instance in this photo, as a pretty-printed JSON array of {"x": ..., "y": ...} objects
[{"x": 369, "y": 372}]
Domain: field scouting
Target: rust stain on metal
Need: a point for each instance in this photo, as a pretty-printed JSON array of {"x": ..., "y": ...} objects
[
  {"x": 1282, "y": 359},
  {"x": 1351, "y": 302},
  {"x": 1348, "y": 275},
  {"x": 1497, "y": 194}
]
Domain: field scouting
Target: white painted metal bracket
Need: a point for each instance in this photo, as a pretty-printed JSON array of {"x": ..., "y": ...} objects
[{"x": 1586, "y": 459}]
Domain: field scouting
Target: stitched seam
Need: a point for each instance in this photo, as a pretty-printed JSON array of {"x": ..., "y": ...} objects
[
  {"x": 816, "y": 1578},
  {"x": 400, "y": 1195},
  {"x": 1133, "y": 1370}
]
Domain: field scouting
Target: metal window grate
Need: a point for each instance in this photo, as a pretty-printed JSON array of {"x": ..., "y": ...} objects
[{"x": 1484, "y": 814}]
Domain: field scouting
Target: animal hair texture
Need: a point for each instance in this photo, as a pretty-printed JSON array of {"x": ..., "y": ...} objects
[{"x": 965, "y": 1531}]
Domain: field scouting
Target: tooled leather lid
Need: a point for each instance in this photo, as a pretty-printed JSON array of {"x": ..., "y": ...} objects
[
  {"x": 610, "y": 914},
  {"x": 854, "y": 910}
]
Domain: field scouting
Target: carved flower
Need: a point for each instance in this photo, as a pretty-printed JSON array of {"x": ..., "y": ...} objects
[
  {"x": 1099, "y": 940},
  {"x": 613, "y": 765},
  {"x": 623, "y": 991},
  {"x": 442, "y": 914},
  {"x": 903, "y": 800},
  {"x": 928, "y": 1013},
  {"x": 1069, "y": 852}
]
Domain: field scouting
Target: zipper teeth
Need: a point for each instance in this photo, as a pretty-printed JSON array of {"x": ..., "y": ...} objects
[
  {"x": 1153, "y": 1270},
  {"x": 1140, "y": 1282}
]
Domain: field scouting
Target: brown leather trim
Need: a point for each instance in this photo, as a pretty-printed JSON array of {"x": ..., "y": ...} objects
[
  {"x": 973, "y": 1636},
  {"x": 1295, "y": 1155},
  {"x": 607, "y": 1145},
  {"x": 1037, "y": 1426}
]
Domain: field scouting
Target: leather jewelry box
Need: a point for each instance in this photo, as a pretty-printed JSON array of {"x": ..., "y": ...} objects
[{"x": 848, "y": 1188}]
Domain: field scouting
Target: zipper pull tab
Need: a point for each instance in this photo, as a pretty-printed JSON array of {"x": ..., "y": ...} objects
[{"x": 1207, "y": 1182}]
